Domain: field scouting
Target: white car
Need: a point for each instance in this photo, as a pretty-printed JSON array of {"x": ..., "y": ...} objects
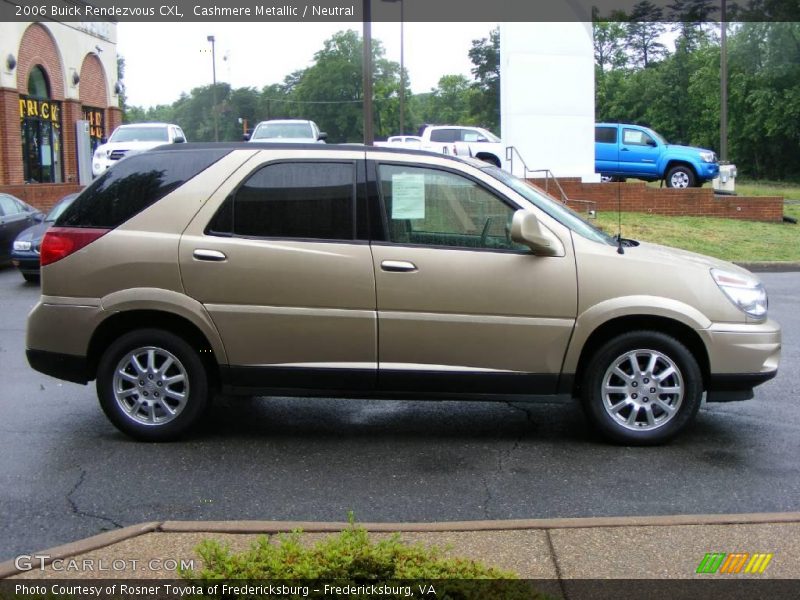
[
  {"x": 128, "y": 140},
  {"x": 287, "y": 131}
]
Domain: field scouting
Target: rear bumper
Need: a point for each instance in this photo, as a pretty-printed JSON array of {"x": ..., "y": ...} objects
[{"x": 61, "y": 366}]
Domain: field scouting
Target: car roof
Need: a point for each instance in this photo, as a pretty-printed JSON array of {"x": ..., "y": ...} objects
[
  {"x": 332, "y": 148},
  {"x": 127, "y": 125},
  {"x": 285, "y": 121}
]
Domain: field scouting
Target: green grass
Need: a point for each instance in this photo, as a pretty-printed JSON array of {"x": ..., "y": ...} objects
[
  {"x": 790, "y": 191},
  {"x": 728, "y": 239}
]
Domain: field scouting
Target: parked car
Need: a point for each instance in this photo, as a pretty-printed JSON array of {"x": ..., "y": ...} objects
[
  {"x": 25, "y": 250},
  {"x": 15, "y": 215},
  {"x": 623, "y": 151},
  {"x": 453, "y": 139},
  {"x": 128, "y": 140},
  {"x": 289, "y": 131},
  {"x": 271, "y": 268}
]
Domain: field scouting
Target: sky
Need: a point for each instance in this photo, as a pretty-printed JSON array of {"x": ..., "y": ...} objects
[{"x": 164, "y": 59}]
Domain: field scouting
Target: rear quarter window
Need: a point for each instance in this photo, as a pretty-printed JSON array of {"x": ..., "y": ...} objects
[
  {"x": 134, "y": 184},
  {"x": 605, "y": 135}
]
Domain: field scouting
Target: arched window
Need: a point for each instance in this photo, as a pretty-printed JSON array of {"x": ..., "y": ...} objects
[
  {"x": 38, "y": 86},
  {"x": 40, "y": 123}
]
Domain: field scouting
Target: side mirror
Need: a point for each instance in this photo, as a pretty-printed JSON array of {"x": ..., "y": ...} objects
[
  {"x": 38, "y": 217},
  {"x": 179, "y": 139},
  {"x": 651, "y": 142},
  {"x": 525, "y": 230},
  {"x": 322, "y": 136},
  {"x": 246, "y": 137},
  {"x": 104, "y": 140}
]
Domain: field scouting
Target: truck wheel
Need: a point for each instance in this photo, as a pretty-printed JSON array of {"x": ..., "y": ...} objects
[
  {"x": 681, "y": 176},
  {"x": 152, "y": 385},
  {"x": 642, "y": 388}
]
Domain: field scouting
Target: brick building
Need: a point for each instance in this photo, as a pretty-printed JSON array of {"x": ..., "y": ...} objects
[{"x": 51, "y": 76}]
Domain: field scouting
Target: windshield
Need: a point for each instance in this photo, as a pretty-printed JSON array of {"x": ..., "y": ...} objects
[
  {"x": 284, "y": 130},
  {"x": 558, "y": 211},
  {"x": 56, "y": 211},
  {"x": 489, "y": 136},
  {"x": 140, "y": 134},
  {"x": 658, "y": 136}
]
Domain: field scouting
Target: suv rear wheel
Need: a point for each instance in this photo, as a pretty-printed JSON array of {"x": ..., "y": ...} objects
[
  {"x": 642, "y": 388},
  {"x": 152, "y": 385}
]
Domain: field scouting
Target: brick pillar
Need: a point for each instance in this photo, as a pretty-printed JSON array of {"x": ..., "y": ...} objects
[
  {"x": 11, "y": 169},
  {"x": 70, "y": 113},
  {"x": 113, "y": 119}
]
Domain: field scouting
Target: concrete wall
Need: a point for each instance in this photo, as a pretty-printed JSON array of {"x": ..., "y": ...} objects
[{"x": 547, "y": 96}]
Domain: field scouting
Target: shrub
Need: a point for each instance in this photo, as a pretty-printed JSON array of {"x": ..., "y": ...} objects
[{"x": 352, "y": 557}]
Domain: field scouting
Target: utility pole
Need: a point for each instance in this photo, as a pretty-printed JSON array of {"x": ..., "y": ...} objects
[
  {"x": 723, "y": 85},
  {"x": 210, "y": 38}
]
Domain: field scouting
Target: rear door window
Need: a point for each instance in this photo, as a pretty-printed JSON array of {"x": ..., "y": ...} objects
[
  {"x": 297, "y": 200},
  {"x": 605, "y": 135}
]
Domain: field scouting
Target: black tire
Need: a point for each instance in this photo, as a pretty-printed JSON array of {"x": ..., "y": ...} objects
[
  {"x": 607, "y": 411},
  {"x": 185, "y": 376},
  {"x": 31, "y": 277},
  {"x": 681, "y": 176}
]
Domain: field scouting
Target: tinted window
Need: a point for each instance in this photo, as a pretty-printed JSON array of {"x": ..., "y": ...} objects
[
  {"x": 445, "y": 135},
  {"x": 292, "y": 200},
  {"x": 134, "y": 184},
  {"x": 427, "y": 206},
  {"x": 605, "y": 135}
]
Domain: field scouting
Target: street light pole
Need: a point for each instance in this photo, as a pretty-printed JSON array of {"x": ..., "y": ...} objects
[
  {"x": 369, "y": 136},
  {"x": 210, "y": 38}
]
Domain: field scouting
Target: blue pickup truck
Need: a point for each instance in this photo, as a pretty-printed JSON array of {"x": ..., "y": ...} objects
[{"x": 622, "y": 151}]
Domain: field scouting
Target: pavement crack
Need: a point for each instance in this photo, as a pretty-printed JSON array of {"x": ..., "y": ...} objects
[
  {"x": 82, "y": 513},
  {"x": 556, "y": 566}
]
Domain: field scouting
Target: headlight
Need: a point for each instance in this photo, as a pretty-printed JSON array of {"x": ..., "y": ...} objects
[
  {"x": 708, "y": 157},
  {"x": 747, "y": 293},
  {"x": 22, "y": 246}
]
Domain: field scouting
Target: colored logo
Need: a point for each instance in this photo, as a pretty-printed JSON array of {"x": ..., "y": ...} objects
[{"x": 721, "y": 563}]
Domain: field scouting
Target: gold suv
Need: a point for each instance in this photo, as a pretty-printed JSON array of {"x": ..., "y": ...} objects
[{"x": 354, "y": 271}]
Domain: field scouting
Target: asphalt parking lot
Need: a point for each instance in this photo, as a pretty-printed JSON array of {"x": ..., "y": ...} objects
[{"x": 66, "y": 473}]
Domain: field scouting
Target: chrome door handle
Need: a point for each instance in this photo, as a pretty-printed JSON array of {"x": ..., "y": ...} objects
[
  {"x": 211, "y": 255},
  {"x": 398, "y": 266}
]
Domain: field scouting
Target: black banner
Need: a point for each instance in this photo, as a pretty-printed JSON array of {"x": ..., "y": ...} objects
[
  {"x": 445, "y": 11},
  {"x": 711, "y": 588}
]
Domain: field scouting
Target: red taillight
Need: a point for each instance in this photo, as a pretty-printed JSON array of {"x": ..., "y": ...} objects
[{"x": 60, "y": 242}]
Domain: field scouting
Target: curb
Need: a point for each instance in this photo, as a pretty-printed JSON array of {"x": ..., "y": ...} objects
[
  {"x": 109, "y": 538},
  {"x": 769, "y": 266},
  {"x": 95, "y": 542}
]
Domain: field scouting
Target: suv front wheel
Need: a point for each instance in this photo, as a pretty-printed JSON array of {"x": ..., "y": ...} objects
[
  {"x": 642, "y": 388},
  {"x": 152, "y": 385}
]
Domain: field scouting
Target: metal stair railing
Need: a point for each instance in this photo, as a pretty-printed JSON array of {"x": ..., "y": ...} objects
[{"x": 511, "y": 152}]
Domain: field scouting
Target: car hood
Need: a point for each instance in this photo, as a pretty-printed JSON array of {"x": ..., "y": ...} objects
[
  {"x": 687, "y": 148},
  {"x": 130, "y": 147},
  {"x": 34, "y": 233},
  {"x": 671, "y": 256}
]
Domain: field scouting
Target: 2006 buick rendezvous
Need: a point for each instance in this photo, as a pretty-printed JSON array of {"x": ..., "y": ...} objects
[{"x": 354, "y": 271}]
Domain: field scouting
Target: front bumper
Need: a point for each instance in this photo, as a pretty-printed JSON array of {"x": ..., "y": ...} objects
[
  {"x": 741, "y": 357},
  {"x": 707, "y": 171},
  {"x": 26, "y": 262}
]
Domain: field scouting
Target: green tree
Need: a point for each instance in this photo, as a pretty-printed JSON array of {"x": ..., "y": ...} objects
[
  {"x": 643, "y": 33},
  {"x": 485, "y": 100},
  {"x": 450, "y": 101}
]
